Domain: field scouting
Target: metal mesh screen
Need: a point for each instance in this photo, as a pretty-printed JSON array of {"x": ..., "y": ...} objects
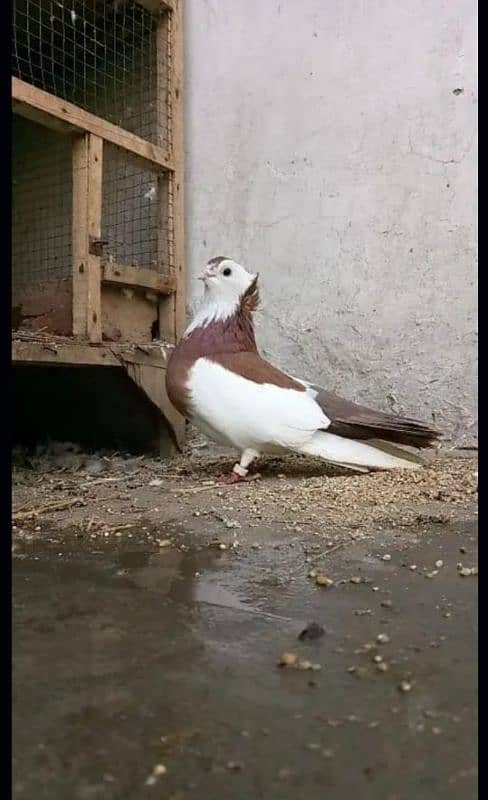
[
  {"x": 41, "y": 204},
  {"x": 110, "y": 57},
  {"x": 136, "y": 212}
]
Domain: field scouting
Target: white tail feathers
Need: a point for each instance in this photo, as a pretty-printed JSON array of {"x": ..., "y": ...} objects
[{"x": 352, "y": 453}]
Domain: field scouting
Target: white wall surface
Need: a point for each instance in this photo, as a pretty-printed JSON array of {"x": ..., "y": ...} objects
[{"x": 328, "y": 148}]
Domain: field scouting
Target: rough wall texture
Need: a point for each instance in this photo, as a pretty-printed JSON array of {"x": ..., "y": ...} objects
[{"x": 331, "y": 146}]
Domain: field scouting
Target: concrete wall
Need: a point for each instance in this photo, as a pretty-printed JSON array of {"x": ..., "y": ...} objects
[{"x": 331, "y": 146}]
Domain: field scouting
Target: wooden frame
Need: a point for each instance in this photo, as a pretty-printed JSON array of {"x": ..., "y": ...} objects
[
  {"x": 90, "y": 132},
  {"x": 90, "y": 269}
]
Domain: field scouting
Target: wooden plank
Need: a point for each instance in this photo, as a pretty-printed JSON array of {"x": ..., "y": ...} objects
[
  {"x": 177, "y": 177},
  {"x": 128, "y": 315},
  {"x": 163, "y": 100},
  {"x": 46, "y": 305},
  {"x": 87, "y": 220},
  {"x": 68, "y": 352},
  {"x": 135, "y": 277},
  {"x": 45, "y": 108},
  {"x": 62, "y": 354},
  {"x": 172, "y": 310}
]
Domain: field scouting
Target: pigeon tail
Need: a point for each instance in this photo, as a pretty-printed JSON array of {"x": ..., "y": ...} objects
[{"x": 355, "y": 454}]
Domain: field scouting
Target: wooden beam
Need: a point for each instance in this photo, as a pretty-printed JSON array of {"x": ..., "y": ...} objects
[
  {"x": 70, "y": 352},
  {"x": 172, "y": 310},
  {"x": 87, "y": 220},
  {"x": 54, "y": 112},
  {"x": 177, "y": 177},
  {"x": 135, "y": 277},
  {"x": 73, "y": 354}
]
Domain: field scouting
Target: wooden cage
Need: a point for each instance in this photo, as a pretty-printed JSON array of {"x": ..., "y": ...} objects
[{"x": 97, "y": 194}]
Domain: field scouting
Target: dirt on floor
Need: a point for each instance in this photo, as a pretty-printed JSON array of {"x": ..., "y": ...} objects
[
  {"x": 307, "y": 631},
  {"x": 109, "y": 494}
]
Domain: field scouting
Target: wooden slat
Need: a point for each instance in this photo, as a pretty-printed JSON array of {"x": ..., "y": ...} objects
[
  {"x": 166, "y": 304},
  {"x": 69, "y": 352},
  {"x": 172, "y": 311},
  {"x": 63, "y": 354},
  {"x": 87, "y": 219},
  {"x": 134, "y": 276},
  {"x": 45, "y": 108},
  {"x": 177, "y": 177}
]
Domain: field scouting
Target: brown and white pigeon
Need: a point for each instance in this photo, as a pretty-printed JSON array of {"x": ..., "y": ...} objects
[{"x": 217, "y": 379}]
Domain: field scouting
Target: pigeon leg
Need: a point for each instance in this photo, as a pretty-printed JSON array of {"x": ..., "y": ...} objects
[{"x": 241, "y": 469}]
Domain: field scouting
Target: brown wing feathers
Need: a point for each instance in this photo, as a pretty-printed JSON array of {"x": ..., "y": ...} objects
[{"x": 358, "y": 422}]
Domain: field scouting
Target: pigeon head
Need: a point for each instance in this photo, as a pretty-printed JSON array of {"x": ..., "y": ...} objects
[
  {"x": 225, "y": 280},
  {"x": 230, "y": 293}
]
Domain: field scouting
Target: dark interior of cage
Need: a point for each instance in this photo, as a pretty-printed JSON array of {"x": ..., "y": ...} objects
[{"x": 100, "y": 56}]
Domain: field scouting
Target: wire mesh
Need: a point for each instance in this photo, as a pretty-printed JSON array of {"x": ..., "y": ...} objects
[
  {"x": 110, "y": 57},
  {"x": 135, "y": 212},
  {"x": 41, "y": 204}
]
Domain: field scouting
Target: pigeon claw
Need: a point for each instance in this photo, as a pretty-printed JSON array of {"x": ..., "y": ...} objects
[{"x": 232, "y": 477}]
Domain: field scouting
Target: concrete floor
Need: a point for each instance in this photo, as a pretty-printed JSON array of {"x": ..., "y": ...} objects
[{"x": 152, "y": 672}]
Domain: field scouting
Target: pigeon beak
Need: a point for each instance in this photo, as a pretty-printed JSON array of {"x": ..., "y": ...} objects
[{"x": 207, "y": 273}]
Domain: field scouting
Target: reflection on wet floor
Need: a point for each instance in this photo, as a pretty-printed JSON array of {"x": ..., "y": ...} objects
[{"x": 132, "y": 659}]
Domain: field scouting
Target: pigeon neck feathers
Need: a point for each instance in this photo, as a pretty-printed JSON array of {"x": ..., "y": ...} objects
[{"x": 224, "y": 326}]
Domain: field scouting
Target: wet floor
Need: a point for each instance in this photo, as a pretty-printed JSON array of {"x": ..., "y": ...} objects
[{"x": 145, "y": 672}]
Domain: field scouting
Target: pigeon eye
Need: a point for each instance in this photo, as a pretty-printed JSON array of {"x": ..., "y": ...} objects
[{"x": 227, "y": 271}]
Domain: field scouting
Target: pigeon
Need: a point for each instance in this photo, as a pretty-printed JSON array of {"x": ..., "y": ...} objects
[{"x": 216, "y": 378}]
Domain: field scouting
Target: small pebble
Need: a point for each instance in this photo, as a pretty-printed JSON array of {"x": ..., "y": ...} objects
[
  {"x": 355, "y": 579},
  {"x": 288, "y": 659},
  {"x": 386, "y": 604},
  {"x": 382, "y": 638},
  {"x": 413, "y": 567},
  {"x": 386, "y": 557},
  {"x": 432, "y": 574},
  {"x": 465, "y": 572},
  {"x": 439, "y": 564},
  {"x": 235, "y": 766},
  {"x": 375, "y": 588},
  {"x": 323, "y": 580},
  {"x": 312, "y": 631},
  {"x": 382, "y": 666},
  {"x": 377, "y": 659},
  {"x": 405, "y": 686}
]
